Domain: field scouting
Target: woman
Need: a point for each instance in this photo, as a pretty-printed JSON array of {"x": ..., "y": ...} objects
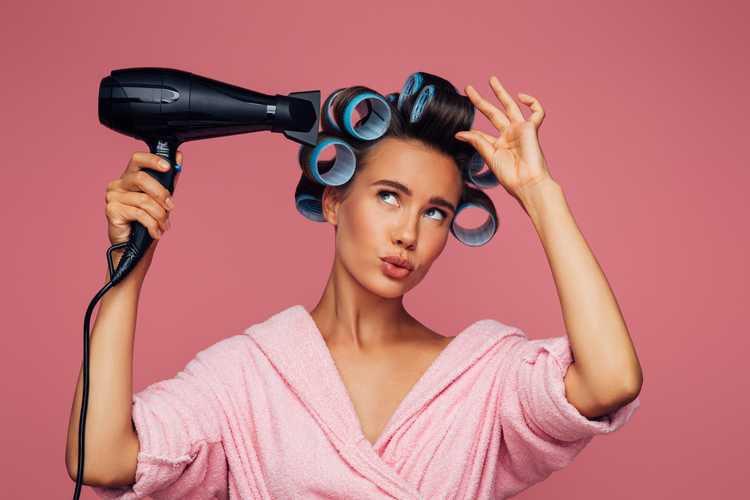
[{"x": 356, "y": 398}]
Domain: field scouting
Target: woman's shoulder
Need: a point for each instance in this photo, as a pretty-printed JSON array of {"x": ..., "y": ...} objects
[
  {"x": 485, "y": 327},
  {"x": 479, "y": 335},
  {"x": 225, "y": 351}
]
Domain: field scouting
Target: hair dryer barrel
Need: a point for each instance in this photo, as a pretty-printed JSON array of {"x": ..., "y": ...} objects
[{"x": 168, "y": 104}]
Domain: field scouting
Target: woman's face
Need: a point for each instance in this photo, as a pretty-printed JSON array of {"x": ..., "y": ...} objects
[{"x": 378, "y": 218}]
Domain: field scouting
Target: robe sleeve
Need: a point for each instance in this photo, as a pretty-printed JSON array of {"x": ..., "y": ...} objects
[
  {"x": 542, "y": 431},
  {"x": 178, "y": 425}
]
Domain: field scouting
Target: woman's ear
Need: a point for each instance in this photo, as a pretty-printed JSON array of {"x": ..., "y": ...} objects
[{"x": 330, "y": 203}]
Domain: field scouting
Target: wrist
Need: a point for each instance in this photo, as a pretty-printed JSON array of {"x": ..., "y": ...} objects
[
  {"x": 539, "y": 197},
  {"x": 137, "y": 275}
]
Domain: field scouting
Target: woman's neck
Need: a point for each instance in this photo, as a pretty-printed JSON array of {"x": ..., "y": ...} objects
[{"x": 348, "y": 314}]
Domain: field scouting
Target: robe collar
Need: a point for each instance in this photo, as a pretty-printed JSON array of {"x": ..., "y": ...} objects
[{"x": 292, "y": 342}]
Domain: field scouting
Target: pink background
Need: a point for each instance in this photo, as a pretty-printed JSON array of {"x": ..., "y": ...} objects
[{"x": 646, "y": 112}]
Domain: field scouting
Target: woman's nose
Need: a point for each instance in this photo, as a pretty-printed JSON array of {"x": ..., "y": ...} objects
[{"x": 406, "y": 230}]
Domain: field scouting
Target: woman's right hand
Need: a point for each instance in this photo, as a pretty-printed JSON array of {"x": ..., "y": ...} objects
[{"x": 138, "y": 196}]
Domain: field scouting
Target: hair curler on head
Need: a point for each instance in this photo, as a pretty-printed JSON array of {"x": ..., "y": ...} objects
[
  {"x": 166, "y": 107},
  {"x": 415, "y": 104}
]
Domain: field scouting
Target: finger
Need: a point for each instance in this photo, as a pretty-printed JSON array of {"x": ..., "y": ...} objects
[
  {"x": 486, "y": 136},
  {"x": 134, "y": 213},
  {"x": 179, "y": 157},
  {"x": 144, "y": 202},
  {"x": 476, "y": 139},
  {"x": 140, "y": 160},
  {"x": 496, "y": 116},
  {"x": 142, "y": 181},
  {"x": 514, "y": 112},
  {"x": 537, "y": 115}
]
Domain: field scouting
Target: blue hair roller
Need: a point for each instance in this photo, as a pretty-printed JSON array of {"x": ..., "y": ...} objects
[
  {"x": 327, "y": 114},
  {"x": 485, "y": 180},
  {"x": 310, "y": 206},
  {"x": 343, "y": 165},
  {"x": 477, "y": 236},
  {"x": 424, "y": 97},
  {"x": 411, "y": 85},
  {"x": 307, "y": 199},
  {"x": 178, "y": 167},
  {"x": 376, "y": 112}
]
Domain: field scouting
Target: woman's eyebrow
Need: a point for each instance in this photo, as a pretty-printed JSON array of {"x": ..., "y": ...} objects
[{"x": 435, "y": 200}]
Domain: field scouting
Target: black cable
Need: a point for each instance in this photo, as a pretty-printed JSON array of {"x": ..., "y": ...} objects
[{"x": 124, "y": 266}]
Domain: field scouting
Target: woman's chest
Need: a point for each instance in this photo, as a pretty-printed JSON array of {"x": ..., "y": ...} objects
[{"x": 376, "y": 385}]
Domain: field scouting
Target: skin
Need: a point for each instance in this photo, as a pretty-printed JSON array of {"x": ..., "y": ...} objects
[
  {"x": 606, "y": 373},
  {"x": 361, "y": 308},
  {"x": 379, "y": 349}
]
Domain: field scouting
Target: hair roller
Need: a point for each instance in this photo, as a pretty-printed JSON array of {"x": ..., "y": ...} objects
[
  {"x": 412, "y": 84},
  {"x": 375, "y": 112},
  {"x": 485, "y": 180},
  {"x": 334, "y": 172},
  {"x": 308, "y": 199},
  {"x": 329, "y": 123},
  {"x": 392, "y": 97},
  {"x": 423, "y": 99},
  {"x": 477, "y": 236}
]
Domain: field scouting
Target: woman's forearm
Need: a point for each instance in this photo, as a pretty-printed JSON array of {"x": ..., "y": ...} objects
[
  {"x": 109, "y": 417},
  {"x": 602, "y": 349}
]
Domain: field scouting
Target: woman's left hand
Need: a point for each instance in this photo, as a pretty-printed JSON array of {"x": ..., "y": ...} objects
[{"x": 515, "y": 157}]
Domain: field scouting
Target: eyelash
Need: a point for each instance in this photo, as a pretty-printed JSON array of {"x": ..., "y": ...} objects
[{"x": 442, "y": 212}]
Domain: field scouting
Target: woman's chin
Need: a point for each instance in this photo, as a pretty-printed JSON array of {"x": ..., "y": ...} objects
[{"x": 390, "y": 288}]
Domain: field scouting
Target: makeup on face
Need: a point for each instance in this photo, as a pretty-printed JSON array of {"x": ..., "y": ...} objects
[{"x": 394, "y": 271}]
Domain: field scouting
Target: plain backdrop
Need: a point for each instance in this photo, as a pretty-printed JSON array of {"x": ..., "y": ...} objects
[{"x": 645, "y": 131}]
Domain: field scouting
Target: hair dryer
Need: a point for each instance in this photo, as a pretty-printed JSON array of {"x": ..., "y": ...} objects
[{"x": 166, "y": 107}]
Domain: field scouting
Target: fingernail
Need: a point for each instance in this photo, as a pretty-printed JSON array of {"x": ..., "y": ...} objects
[
  {"x": 169, "y": 202},
  {"x": 163, "y": 163}
]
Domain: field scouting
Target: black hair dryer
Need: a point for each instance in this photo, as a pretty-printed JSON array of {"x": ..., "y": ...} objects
[{"x": 166, "y": 107}]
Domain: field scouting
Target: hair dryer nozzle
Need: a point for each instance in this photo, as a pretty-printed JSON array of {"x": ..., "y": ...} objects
[{"x": 302, "y": 109}]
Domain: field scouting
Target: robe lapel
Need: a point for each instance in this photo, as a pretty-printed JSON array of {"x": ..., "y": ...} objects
[{"x": 294, "y": 345}]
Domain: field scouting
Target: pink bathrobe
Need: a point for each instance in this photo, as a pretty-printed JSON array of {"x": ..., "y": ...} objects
[{"x": 265, "y": 414}]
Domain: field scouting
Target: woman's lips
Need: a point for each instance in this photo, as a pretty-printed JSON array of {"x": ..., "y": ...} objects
[{"x": 394, "y": 271}]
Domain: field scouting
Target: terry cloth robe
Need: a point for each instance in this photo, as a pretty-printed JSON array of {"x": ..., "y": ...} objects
[{"x": 265, "y": 414}]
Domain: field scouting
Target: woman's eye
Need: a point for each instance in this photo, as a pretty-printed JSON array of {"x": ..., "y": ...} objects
[
  {"x": 383, "y": 194},
  {"x": 387, "y": 193},
  {"x": 442, "y": 213}
]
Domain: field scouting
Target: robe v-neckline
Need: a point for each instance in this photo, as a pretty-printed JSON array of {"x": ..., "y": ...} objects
[
  {"x": 293, "y": 343},
  {"x": 339, "y": 381}
]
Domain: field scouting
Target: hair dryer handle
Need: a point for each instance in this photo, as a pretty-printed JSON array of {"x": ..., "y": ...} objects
[
  {"x": 167, "y": 150},
  {"x": 140, "y": 239}
]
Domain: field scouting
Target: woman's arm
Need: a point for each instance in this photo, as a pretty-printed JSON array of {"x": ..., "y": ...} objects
[
  {"x": 111, "y": 442},
  {"x": 606, "y": 373}
]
